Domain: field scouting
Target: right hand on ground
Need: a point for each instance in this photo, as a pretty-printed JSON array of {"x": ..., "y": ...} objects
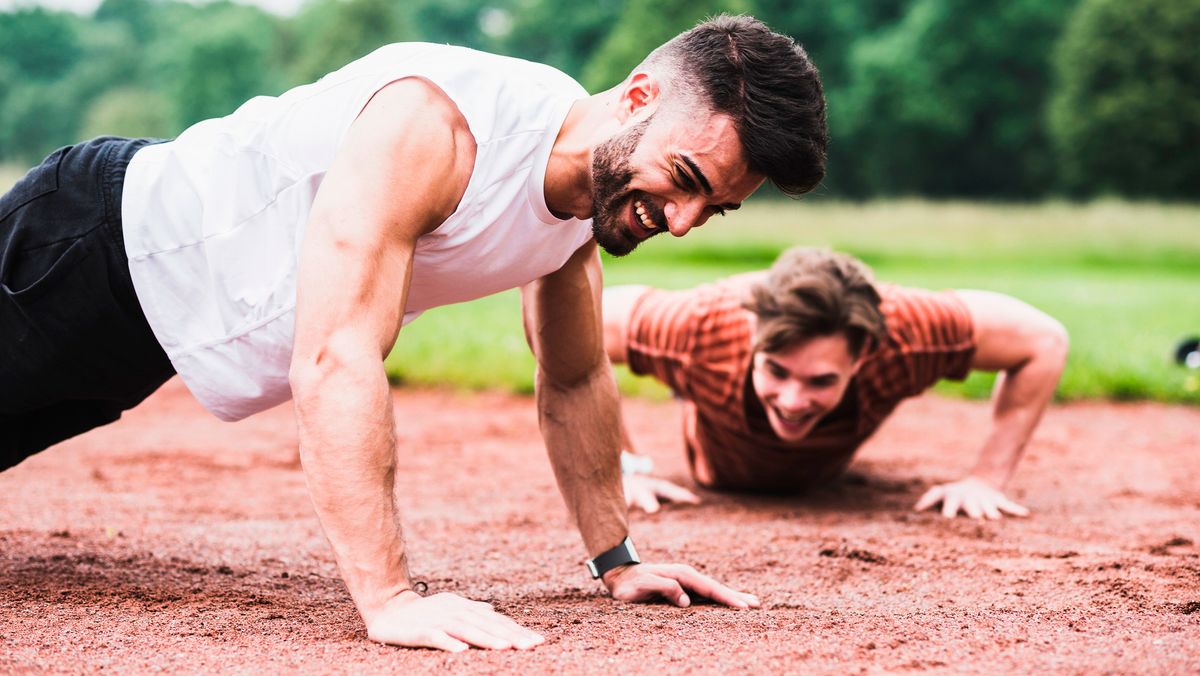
[
  {"x": 975, "y": 497},
  {"x": 641, "y": 582},
  {"x": 645, "y": 492},
  {"x": 447, "y": 622}
]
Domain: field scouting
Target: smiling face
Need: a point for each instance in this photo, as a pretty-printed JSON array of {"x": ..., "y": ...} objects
[
  {"x": 802, "y": 383},
  {"x": 666, "y": 174}
]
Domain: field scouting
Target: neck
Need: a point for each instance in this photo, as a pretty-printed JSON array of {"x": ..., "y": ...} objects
[{"x": 568, "y": 182}]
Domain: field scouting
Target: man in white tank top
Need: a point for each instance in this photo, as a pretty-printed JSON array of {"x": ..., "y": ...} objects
[{"x": 277, "y": 252}]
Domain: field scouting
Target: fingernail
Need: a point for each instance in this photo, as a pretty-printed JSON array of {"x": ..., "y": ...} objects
[{"x": 684, "y": 601}]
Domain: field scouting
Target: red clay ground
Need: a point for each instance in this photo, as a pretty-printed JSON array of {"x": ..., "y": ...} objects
[{"x": 173, "y": 542}]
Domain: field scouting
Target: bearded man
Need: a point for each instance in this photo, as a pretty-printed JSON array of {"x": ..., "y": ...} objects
[{"x": 275, "y": 254}]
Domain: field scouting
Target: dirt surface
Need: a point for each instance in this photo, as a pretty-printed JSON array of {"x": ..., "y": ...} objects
[{"x": 173, "y": 542}]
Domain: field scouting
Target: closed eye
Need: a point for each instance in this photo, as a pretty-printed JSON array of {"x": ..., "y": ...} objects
[{"x": 684, "y": 180}]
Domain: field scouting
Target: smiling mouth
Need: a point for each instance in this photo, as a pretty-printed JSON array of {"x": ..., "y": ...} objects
[
  {"x": 643, "y": 223},
  {"x": 794, "y": 420}
]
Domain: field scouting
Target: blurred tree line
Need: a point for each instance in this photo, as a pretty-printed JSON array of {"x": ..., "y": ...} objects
[{"x": 964, "y": 98}]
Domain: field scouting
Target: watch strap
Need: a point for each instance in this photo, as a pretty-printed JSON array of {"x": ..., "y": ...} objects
[{"x": 620, "y": 555}]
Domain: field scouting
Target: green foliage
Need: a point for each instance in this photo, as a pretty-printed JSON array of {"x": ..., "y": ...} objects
[
  {"x": 30, "y": 115},
  {"x": 644, "y": 25},
  {"x": 934, "y": 97},
  {"x": 216, "y": 57},
  {"x": 328, "y": 34},
  {"x": 541, "y": 31},
  {"x": 469, "y": 23},
  {"x": 946, "y": 101},
  {"x": 138, "y": 16},
  {"x": 40, "y": 44},
  {"x": 129, "y": 112},
  {"x": 828, "y": 29},
  {"x": 38, "y": 49},
  {"x": 1126, "y": 117}
]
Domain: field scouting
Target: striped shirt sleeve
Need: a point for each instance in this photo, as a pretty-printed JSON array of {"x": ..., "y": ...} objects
[
  {"x": 931, "y": 338},
  {"x": 661, "y": 333}
]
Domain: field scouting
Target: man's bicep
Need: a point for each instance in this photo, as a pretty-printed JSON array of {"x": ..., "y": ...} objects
[
  {"x": 373, "y": 205},
  {"x": 1008, "y": 331}
]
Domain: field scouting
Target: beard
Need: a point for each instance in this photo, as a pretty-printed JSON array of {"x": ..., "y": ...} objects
[{"x": 611, "y": 175}]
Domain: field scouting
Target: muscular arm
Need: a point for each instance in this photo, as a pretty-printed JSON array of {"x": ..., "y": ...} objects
[
  {"x": 1029, "y": 348},
  {"x": 401, "y": 171},
  {"x": 579, "y": 415},
  {"x": 577, "y": 397}
]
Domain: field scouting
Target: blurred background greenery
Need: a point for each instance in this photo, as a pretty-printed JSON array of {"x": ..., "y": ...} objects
[{"x": 1046, "y": 148}]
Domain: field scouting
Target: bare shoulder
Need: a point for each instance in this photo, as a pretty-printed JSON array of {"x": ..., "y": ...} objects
[
  {"x": 417, "y": 100},
  {"x": 413, "y": 138}
]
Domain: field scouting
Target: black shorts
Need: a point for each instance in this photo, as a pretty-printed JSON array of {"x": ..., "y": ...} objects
[{"x": 75, "y": 348}]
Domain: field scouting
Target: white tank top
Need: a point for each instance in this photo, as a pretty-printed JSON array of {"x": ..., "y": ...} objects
[{"x": 214, "y": 220}]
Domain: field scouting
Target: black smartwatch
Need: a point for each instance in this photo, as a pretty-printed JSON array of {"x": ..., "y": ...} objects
[{"x": 620, "y": 555}]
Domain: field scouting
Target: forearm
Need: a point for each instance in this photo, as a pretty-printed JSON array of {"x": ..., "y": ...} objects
[
  {"x": 347, "y": 447},
  {"x": 581, "y": 427},
  {"x": 1020, "y": 398}
]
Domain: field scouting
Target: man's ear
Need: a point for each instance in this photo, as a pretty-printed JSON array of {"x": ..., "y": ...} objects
[
  {"x": 858, "y": 363},
  {"x": 862, "y": 357},
  {"x": 639, "y": 97}
]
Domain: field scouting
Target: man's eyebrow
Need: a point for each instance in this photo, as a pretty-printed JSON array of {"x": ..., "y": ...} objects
[
  {"x": 771, "y": 362},
  {"x": 704, "y": 184}
]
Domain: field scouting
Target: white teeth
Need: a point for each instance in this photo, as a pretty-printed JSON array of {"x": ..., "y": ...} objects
[
  {"x": 800, "y": 417},
  {"x": 641, "y": 212}
]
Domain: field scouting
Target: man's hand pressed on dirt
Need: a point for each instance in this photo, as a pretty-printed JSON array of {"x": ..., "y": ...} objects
[
  {"x": 447, "y": 622},
  {"x": 974, "y": 497},
  {"x": 647, "y": 493},
  {"x": 649, "y": 581}
]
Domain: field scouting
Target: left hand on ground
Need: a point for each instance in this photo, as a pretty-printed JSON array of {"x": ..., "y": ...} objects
[
  {"x": 649, "y": 581},
  {"x": 646, "y": 492},
  {"x": 974, "y": 497}
]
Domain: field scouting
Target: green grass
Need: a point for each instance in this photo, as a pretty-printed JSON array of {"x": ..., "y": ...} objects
[{"x": 1123, "y": 277}]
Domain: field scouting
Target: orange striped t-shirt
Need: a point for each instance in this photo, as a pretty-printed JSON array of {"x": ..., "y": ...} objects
[{"x": 699, "y": 342}]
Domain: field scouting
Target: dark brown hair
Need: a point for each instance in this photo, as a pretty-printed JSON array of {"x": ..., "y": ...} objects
[
  {"x": 766, "y": 83},
  {"x": 816, "y": 292}
]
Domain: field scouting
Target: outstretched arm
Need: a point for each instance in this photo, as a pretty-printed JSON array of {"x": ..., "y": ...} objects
[
  {"x": 1029, "y": 348},
  {"x": 579, "y": 414},
  {"x": 401, "y": 171}
]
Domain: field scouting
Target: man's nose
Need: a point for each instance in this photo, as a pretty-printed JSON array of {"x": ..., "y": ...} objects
[
  {"x": 686, "y": 215},
  {"x": 792, "y": 397}
]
